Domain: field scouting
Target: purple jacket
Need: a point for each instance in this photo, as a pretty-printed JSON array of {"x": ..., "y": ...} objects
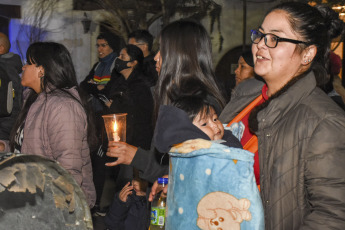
[{"x": 56, "y": 127}]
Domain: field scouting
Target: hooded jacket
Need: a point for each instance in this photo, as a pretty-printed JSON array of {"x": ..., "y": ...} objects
[
  {"x": 174, "y": 126},
  {"x": 301, "y": 137}
]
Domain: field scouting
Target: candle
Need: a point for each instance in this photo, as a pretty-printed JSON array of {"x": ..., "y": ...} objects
[{"x": 115, "y": 133}]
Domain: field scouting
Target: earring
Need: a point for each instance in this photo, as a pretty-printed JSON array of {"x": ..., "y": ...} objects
[
  {"x": 305, "y": 61},
  {"x": 309, "y": 60}
]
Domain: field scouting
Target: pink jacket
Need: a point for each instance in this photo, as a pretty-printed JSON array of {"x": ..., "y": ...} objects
[{"x": 56, "y": 127}]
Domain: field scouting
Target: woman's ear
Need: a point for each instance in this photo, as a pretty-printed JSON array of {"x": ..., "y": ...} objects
[
  {"x": 40, "y": 71},
  {"x": 132, "y": 63},
  {"x": 309, "y": 54}
]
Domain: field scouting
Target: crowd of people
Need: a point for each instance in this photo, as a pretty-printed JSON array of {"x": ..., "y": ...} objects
[{"x": 281, "y": 111}]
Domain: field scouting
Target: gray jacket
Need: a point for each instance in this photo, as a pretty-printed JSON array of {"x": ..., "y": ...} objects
[
  {"x": 56, "y": 127},
  {"x": 301, "y": 136}
]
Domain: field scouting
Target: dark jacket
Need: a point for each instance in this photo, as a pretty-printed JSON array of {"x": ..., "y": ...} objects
[
  {"x": 12, "y": 64},
  {"x": 301, "y": 137},
  {"x": 133, "y": 96},
  {"x": 133, "y": 214},
  {"x": 174, "y": 126},
  {"x": 92, "y": 88},
  {"x": 149, "y": 69}
]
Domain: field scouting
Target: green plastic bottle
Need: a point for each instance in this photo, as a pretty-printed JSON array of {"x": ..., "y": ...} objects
[{"x": 158, "y": 207}]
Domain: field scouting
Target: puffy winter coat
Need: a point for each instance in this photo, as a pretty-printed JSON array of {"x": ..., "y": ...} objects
[
  {"x": 301, "y": 136},
  {"x": 56, "y": 127}
]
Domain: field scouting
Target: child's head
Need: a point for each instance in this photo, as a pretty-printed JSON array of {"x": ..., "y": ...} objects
[
  {"x": 202, "y": 114},
  {"x": 139, "y": 185}
]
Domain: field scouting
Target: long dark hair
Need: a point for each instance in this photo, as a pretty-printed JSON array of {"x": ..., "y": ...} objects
[
  {"x": 59, "y": 75},
  {"x": 317, "y": 26},
  {"x": 186, "y": 54}
]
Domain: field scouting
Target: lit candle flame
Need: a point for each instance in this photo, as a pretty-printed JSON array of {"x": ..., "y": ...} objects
[
  {"x": 115, "y": 134},
  {"x": 115, "y": 127}
]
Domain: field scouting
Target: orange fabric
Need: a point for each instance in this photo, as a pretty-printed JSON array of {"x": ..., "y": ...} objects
[
  {"x": 252, "y": 144},
  {"x": 246, "y": 110}
]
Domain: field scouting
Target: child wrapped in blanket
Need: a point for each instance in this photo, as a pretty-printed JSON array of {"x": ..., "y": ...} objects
[
  {"x": 210, "y": 184},
  {"x": 190, "y": 117}
]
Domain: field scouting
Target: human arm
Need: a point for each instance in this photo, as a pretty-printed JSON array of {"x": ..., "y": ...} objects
[
  {"x": 118, "y": 210},
  {"x": 143, "y": 160},
  {"x": 324, "y": 176},
  {"x": 67, "y": 140},
  {"x": 88, "y": 85}
]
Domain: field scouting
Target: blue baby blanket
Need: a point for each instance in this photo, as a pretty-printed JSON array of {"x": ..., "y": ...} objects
[{"x": 212, "y": 186}]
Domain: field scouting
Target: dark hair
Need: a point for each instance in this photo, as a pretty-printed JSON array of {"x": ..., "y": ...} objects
[
  {"x": 186, "y": 53},
  {"x": 317, "y": 26},
  {"x": 193, "y": 105},
  {"x": 142, "y": 36},
  {"x": 59, "y": 75},
  {"x": 135, "y": 54},
  {"x": 248, "y": 57},
  {"x": 111, "y": 39}
]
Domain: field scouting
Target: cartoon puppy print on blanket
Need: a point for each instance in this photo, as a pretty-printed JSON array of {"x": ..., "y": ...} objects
[{"x": 222, "y": 211}]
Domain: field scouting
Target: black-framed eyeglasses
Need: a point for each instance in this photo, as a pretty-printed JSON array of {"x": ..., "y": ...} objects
[
  {"x": 103, "y": 45},
  {"x": 271, "y": 40}
]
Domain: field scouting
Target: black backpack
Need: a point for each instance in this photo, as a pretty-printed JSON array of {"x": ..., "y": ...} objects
[{"x": 6, "y": 94}]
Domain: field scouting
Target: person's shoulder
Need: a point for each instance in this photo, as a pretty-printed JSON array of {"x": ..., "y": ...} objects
[
  {"x": 11, "y": 60},
  {"x": 139, "y": 79},
  {"x": 61, "y": 97},
  {"x": 320, "y": 105},
  {"x": 249, "y": 86}
]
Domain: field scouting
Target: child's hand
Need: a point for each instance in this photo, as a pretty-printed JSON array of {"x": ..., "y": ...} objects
[{"x": 125, "y": 192}]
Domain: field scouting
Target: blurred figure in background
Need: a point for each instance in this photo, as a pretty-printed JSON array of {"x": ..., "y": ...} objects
[
  {"x": 333, "y": 88},
  {"x": 144, "y": 40},
  {"x": 95, "y": 84},
  {"x": 11, "y": 64},
  {"x": 245, "y": 67}
]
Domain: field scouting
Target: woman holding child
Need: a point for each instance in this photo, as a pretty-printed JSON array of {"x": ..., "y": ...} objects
[
  {"x": 300, "y": 130},
  {"x": 185, "y": 54}
]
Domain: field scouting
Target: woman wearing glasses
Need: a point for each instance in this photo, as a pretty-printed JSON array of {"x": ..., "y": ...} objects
[{"x": 300, "y": 130}]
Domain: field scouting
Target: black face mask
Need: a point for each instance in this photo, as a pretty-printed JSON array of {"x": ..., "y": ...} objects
[{"x": 121, "y": 65}]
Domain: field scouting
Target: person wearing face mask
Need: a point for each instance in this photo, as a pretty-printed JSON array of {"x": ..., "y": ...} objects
[{"x": 131, "y": 94}]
